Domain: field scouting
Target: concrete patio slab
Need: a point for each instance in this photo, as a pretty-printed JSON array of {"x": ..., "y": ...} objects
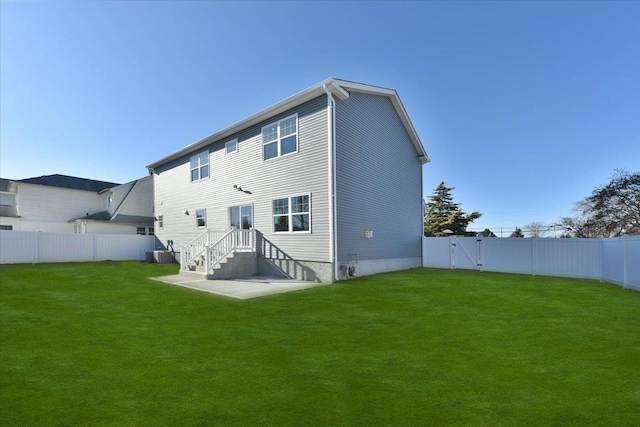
[{"x": 245, "y": 288}]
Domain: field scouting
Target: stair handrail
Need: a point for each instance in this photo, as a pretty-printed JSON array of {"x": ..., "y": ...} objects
[
  {"x": 234, "y": 240},
  {"x": 191, "y": 251}
]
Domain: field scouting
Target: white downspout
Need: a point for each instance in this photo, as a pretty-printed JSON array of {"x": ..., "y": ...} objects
[{"x": 331, "y": 159}]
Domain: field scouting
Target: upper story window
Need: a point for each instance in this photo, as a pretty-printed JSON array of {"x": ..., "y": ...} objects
[
  {"x": 231, "y": 146},
  {"x": 292, "y": 214},
  {"x": 160, "y": 222},
  {"x": 280, "y": 138},
  {"x": 201, "y": 217},
  {"x": 200, "y": 166}
]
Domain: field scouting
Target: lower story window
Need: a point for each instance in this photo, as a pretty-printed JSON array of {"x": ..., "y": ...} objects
[
  {"x": 151, "y": 231},
  {"x": 201, "y": 217},
  {"x": 292, "y": 214},
  {"x": 6, "y": 227},
  {"x": 141, "y": 231}
]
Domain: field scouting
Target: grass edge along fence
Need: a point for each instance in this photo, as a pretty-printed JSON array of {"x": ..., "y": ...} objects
[{"x": 615, "y": 260}]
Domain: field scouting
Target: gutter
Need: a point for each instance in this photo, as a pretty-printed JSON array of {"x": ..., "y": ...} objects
[{"x": 331, "y": 172}]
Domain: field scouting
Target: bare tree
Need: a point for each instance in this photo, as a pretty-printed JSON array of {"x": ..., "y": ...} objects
[
  {"x": 536, "y": 229},
  {"x": 611, "y": 210}
]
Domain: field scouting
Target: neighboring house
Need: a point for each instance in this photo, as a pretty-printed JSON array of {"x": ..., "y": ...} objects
[
  {"x": 325, "y": 183},
  {"x": 66, "y": 204}
]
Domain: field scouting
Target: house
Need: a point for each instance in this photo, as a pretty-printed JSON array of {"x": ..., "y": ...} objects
[
  {"x": 320, "y": 186},
  {"x": 67, "y": 204}
]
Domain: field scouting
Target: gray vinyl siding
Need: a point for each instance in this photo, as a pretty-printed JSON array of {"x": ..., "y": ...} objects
[
  {"x": 297, "y": 173},
  {"x": 378, "y": 180}
]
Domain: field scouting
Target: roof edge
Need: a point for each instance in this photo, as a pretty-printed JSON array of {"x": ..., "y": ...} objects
[{"x": 338, "y": 87}]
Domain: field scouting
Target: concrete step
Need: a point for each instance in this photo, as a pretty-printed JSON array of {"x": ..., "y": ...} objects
[{"x": 237, "y": 264}]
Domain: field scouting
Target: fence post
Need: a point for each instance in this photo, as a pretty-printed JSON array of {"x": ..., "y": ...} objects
[
  {"x": 624, "y": 281},
  {"x": 452, "y": 253},
  {"x": 601, "y": 247},
  {"x": 479, "y": 261},
  {"x": 533, "y": 270},
  {"x": 38, "y": 245}
]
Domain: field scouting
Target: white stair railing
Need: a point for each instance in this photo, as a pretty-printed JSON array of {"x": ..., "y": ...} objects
[
  {"x": 190, "y": 252},
  {"x": 233, "y": 241}
]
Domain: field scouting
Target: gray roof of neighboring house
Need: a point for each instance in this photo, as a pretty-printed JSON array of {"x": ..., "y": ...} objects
[
  {"x": 99, "y": 216},
  {"x": 131, "y": 219},
  {"x": 72, "y": 182},
  {"x": 128, "y": 219}
]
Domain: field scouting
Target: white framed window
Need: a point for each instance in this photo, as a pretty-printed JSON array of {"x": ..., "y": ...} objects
[
  {"x": 231, "y": 146},
  {"x": 141, "y": 231},
  {"x": 280, "y": 138},
  {"x": 241, "y": 217},
  {"x": 201, "y": 217},
  {"x": 200, "y": 166},
  {"x": 292, "y": 214},
  {"x": 6, "y": 227},
  {"x": 151, "y": 231},
  {"x": 160, "y": 222}
]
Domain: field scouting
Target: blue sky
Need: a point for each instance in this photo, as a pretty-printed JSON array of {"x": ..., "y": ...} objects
[{"x": 523, "y": 107}]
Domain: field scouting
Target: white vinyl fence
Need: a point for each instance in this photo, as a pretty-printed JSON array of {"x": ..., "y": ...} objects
[
  {"x": 615, "y": 260},
  {"x": 36, "y": 246}
]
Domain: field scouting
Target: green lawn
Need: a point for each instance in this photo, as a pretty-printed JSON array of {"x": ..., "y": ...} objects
[{"x": 100, "y": 344}]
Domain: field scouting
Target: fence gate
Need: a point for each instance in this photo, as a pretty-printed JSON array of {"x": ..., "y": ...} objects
[{"x": 466, "y": 253}]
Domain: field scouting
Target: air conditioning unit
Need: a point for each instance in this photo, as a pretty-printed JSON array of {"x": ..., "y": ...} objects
[{"x": 163, "y": 257}]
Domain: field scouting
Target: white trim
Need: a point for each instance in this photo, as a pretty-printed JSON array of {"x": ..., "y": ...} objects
[
  {"x": 226, "y": 147},
  {"x": 200, "y": 166},
  {"x": 339, "y": 92},
  {"x": 229, "y": 207},
  {"x": 122, "y": 203},
  {"x": 279, "y": 137},
  {"x": 290, "y": 214},
  {"x": 331, "y": 161},
  {"x": 340, "y": 88},
  {"x": 204, "y": 217}
]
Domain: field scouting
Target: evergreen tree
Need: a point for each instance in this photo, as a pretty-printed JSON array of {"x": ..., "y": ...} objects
[
  {"x": 487, "y": 233},
  {"x": 517, "y": 233},
  {"x": 443, "y": 216}
]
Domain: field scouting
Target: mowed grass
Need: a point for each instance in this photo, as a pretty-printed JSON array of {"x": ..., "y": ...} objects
[{"x": 99, "y": 344}]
